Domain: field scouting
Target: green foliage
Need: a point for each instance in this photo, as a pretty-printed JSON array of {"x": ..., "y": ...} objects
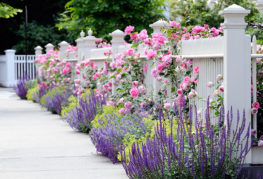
[
  {"x": 38, "y": 35},
  {"x": 105, "y": 16},
  {"x": 192, "y": 13},
  {"x": 73, "y": 101},
  {"x": 100, "y": 121},
  {"x": 7, "y": 11},
  {"x": 50, "y": 93},
  {"x": 31, "y": 92}
]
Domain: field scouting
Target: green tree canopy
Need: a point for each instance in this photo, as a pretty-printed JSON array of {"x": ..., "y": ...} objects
[
  {"x": 7, "y": 11},
  {"x": 105, "y": 16},
  {"x": 191, "y": 13}
]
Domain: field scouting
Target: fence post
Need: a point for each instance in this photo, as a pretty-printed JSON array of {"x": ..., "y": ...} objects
[
  {"x": 63, "y": 48},
  {"x": 10, "y": 67},
  {"x": 260, "y": 5},
  {"x": 38, "y": 51},
  {"x": 89, "y": 43},
  {"x": 79, "y": 43},
  {"x": 157, "y": 28},
  {"x": 237, "y": 64},
  {"x": 116, "y": 41},
  {"x": 49, "y": 47}
]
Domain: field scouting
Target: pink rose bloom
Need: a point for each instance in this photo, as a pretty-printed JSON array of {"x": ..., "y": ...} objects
[
  {"x": 99, "y": 40},
  {"x": 77, "y": 81},
  {"x": 142, "y": 89},
  {"x": 128, "y": 29},
  {"x": 134, "y": 37},
  {"x": 198, "y": 29},
  {"x": 154, "y": 73},
  {"x": 130, "y": 52},
  {"x": 158, "y": 37},
  {"x": 255, "y": 105},
  {"x": 165, "y": 81},
  {"x": 187, "y": 79},
  {"x": 174, "y": 24},
  {"x": 167, "y": 106},
  {"x": 134, "y": 92},
  {"x": 87, "y": 82},
  {"x": 166, "y": 59},
  {"x": 160, "y": 67},
  {"x": 122, "y": 111},
  {"x": 54, "y": 70},
  {"x": 221, "y": 88},
  {"x": 196, "y": 69},
  {"x": 128, "y": 105},
  {"x": 206, "y": 26},
  {"x": 135, "y": 83},
  {"x": 179, "y": 91},
  {"x": 43, "y": 84},
  {"x": 143, "y": 35},
  {"x": 77, "y": 72},
  {"x": 68, "y": 64},
  {"x": 151, "y": 54},
  {"x": 210, "y": 84},
  {"x": 66, "y": 70}
]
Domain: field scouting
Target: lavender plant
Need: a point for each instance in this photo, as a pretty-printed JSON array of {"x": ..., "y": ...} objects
[
  {"x": 54, "y": 99},
  {"x": 108, "y": 138},
  {"x": 83, "y": 114},
  {"x": 210, "y": 151}
]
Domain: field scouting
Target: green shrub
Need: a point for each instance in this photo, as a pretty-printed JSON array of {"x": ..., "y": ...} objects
[{"x": 31, "y": 92}]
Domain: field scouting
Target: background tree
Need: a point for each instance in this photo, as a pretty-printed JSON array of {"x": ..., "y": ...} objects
[
  {"x": 7, "y": 11},
  {"x": 105, "y": 16},
  {"x": 198, "y": 12},
  {"x": 42, "y": 15}
]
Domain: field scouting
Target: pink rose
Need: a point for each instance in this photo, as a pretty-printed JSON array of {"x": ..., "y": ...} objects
[
  {"x": 179, "y": 91},
  {"x": 122, "y": 111},
  {"x": 196, "y": 70},
  {"x": 66, "y": 70},
  {"x": 128, "y": 105},
  {"x": 174, "y": 24},
  {"x": 255, "y": 105},
  {"x": 154, "y": 73},
  {"x": 151, "y": 54},
  {"x": 134, "y": 92},
  {"x": 221, "y": 88},
  {"x": 167, "y": 106},
  {"x": 77, "y": 72},
  {"x": 142, "y": 89},
  {"x": 135, "y": 83},
  {"x": 130, "y": 52},
  {"x": 128, "y": 29}
]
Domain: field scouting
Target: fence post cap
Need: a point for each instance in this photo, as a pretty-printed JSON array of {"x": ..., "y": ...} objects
[
  {"x": 159, "y": 23},
  {"x": 117, "y": 32},
  {"x": 82, "y": 34},
  {"x": 90, "y": 32},
  {"x": 49, "y": 45},
  {"x": 10, "y": 51},
  {"x": 63, "y": 43},
  {"x": 234, "y": 16},
  {"x": 234, "y": 9},
  {"x": 38, "y": 48}
]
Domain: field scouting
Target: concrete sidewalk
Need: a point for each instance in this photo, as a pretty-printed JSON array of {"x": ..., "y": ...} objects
[{"x": 34, "y": 144}]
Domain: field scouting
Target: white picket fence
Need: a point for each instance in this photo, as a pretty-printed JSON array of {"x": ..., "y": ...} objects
[
  {"x": 25, "y": 68},
  {"x": 14, "y": 67}
]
